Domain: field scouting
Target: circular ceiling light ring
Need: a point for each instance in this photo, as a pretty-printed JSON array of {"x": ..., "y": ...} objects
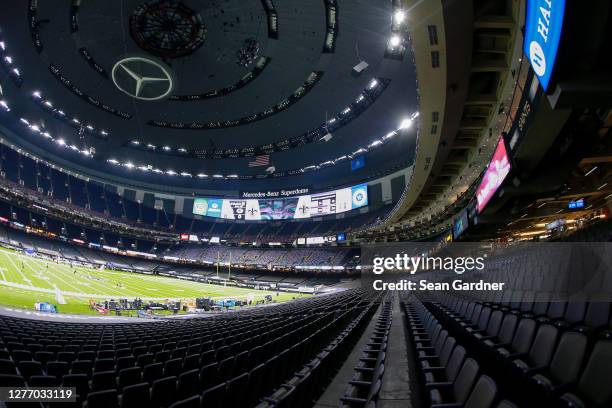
[{"x": 135, "y": 76}]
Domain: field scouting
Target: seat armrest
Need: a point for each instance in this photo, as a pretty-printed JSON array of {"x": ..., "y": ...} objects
[
  {"x": 515, "y": 356},
  {"x": 444, "y": 384},
  {"x": 360, "y": 383},
  {"x": 483, "y": 338},
  {"x": 427, "y": 357},
  {"x": 535, "y": 370},
  {"x": 429, "y": 369},
  {"x": 352, "y": 400}
]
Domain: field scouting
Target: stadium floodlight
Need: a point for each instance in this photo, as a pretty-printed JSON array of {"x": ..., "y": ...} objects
[
  {"x": 182, "y": 150},
  {"x": 202, "y": 175},
  {"x": 113, "y": 161},
  {"x": 135, "y": 142},
  {"x": 5, "y": 106},
  {"x": 233, "y": 176},
  {"x": 185, "y": 174},
  {"x": 374, "y": 144},
  {"x": 171, "y": 172},
  {"x": 405, "y": 124},
  {"x": 395, "y": 41},
  {"x": 61, "y": 142},
  {"x": 129, "y": 165},
  {"x": 16, "y": 72},
  {"x": 217, "y": 176},
  {"x": 373, "y": 84},
  {"x": 49, "y": 104},
  {"x": 399, "y": 16},
  {"x": 167, "y": 148},
  {"x": 2, "y": 45},
  {"x": 36, "y": 94},
  {"x": 8, "y": 59},
  {"x": 35, "y": 128}
]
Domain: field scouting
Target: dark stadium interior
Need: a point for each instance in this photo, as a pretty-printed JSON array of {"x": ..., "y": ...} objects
[{"x": 208, "y": 203}]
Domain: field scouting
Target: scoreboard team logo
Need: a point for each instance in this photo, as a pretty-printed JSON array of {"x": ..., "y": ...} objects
[{"x": 360, "y": 196}]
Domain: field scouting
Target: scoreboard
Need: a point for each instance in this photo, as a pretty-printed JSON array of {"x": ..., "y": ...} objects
[{"x": 305, "y": 206}]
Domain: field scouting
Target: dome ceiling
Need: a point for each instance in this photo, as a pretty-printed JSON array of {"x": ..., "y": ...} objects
[{"x": 151, "y": 90}]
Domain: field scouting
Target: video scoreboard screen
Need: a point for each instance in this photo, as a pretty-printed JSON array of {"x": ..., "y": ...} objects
[{"x": 306, "y": 206}]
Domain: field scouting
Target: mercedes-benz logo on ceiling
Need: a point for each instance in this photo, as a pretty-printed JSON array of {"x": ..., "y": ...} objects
[{"x": 143, "y": 78}]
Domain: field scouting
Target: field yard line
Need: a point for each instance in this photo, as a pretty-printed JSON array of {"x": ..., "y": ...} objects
[
  {"x": 66, "y": 282},
  {"x": 28, "y": 262},
  {"x": 124, "y": 289},
  {"x": 99, "y": 296},
  {"x": 61, "y": 272},
  {"x": 18, "y": 269},
  {"x": 104, "y": 287},
  {"x": 68, "y": 293}
]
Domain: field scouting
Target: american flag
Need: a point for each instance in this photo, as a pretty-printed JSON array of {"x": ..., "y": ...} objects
[{"x": 261, "y": 160}]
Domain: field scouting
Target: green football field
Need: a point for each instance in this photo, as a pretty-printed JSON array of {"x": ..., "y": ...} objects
[{"x": 25, "y": 280}]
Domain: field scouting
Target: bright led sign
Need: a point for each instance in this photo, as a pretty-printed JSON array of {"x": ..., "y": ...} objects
[
  {"x": 304, "y": 206},
  {"x": 494, "y": 176},
  {"x": 573, "y": 205},
  {"x": 543, "y": 28}
]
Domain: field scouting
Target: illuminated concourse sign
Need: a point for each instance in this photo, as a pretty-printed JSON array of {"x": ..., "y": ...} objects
[
  {"x": 304, "y": 206},
  {"x": 497, "y": 171},
  {"x": 543, "y": 28}
]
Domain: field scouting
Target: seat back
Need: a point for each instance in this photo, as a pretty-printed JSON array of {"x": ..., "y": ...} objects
[
  {"x": 566, "y": 362},
  {"x": 440, "y": 342},
  {"x": 483, "y": 394},
  {"x": 102, "y": 399},
  {"x": 214, "y": 396},
  {"x": 136, "y": 395},
  {"x": 598, "y": 367},
  {"x": 455, "y": 363},
  {"x": 495, "y": 323},
  {"x": 523, "y": 336},
  {"x": 445, "y": 354},
  {"x": 543, "y": 345},
  {"x": 465, "y": 380},
  {"x": 508, "y": 328},
  {"x": 483, "y": 320}
]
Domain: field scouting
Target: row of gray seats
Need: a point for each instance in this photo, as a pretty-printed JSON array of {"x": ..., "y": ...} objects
[
  {"x": 363, "y": 389},
  {"x": 558, "y": 363},
  {"x": 448, "y": 376}
]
